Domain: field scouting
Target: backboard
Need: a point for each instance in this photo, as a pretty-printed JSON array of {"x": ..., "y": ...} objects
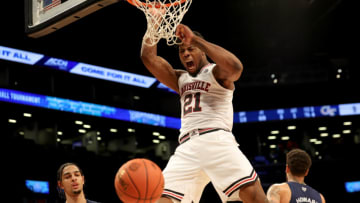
[{"x": 46, "y": 16}]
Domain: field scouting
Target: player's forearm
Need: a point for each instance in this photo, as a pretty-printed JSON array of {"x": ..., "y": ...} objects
[
  {"x": 158, "y": 66},
  {"x": 149, "y": 57},
  {"x": 222, "y": 57},
  {"x": 148, "y": 53}
]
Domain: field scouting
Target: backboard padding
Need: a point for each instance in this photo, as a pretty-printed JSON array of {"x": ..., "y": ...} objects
[{"x": 40, "y": 22}]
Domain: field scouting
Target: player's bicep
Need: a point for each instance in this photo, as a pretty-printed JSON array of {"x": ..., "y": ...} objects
[
  {"x": 231, "y": 74},
  {"x": 273, "y": 194}
]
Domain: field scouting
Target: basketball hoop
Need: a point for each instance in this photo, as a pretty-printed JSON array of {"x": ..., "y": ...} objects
[{"x": 163, "y": 23}]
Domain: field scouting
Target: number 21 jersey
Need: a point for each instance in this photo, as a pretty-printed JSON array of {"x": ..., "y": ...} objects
[{"x": 204, "y": 102}]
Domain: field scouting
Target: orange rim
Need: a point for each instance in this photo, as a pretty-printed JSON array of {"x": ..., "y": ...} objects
[{"x": 149, "y": 5}]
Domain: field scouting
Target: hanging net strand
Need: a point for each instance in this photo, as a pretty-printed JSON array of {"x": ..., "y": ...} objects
[{"x": 162, "y": 16}]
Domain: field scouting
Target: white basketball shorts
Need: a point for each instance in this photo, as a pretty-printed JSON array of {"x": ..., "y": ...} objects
[{"x": 213, "y": 156}]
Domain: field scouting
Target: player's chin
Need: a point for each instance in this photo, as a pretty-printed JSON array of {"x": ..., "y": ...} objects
[
  {"x": 76, "y": 191},
  {"x": 191, "y": 69}
]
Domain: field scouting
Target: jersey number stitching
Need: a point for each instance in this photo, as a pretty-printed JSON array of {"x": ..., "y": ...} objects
[{"x": 188, "y": 101}]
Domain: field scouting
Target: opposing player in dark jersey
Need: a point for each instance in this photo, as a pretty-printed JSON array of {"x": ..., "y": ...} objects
[
  {"x": 70, "y": 180},
  {"x": 295, "y": 190},
  {"x": 208, "y": 150}
]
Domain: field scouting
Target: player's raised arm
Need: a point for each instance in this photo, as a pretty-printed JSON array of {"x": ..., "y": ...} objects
[
  {"x": 157, "y": 65},
  {"x": 229, "y": 67}
]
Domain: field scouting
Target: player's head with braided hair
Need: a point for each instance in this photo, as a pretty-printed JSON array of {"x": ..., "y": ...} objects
[{"x": 70, "y": 179}]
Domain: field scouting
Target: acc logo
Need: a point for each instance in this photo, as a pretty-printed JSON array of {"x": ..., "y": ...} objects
[
  {"x": 328, "y": 111},
  {"x": 61, "y": 64}
]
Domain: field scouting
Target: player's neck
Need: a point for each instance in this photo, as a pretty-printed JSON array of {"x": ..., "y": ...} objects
[
  {"x": 201, "y": 66},
  {"x": 76, "y": 199},
  {"x": 204, "y": 63},
  {"x": 297, "y": 179}
]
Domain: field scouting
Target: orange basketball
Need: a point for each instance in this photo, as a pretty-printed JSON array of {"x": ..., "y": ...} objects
[{"x": 139, "y": 180}]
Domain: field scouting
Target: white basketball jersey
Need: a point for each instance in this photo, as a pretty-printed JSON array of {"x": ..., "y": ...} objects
[{"x": 204, "y": 102}]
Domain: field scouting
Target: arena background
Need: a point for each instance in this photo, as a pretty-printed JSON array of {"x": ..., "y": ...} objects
[{"x": 298, "y": 53}]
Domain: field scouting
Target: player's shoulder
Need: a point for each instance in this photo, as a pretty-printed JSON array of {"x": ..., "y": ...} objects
[
  {"x": 279, "y": 184},
  {"x": 280, "y": 187},
  {"x": 179, "y": 72},
  {"x": 279, "y": 191}
]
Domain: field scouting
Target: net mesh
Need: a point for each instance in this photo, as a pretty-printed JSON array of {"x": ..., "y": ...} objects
[{"x": 163, "y": 16}]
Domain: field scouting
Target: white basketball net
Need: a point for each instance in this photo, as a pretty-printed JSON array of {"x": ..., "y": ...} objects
[{"x": 162, "y": 25}]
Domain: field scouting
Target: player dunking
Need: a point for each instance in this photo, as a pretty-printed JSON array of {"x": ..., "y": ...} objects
[{"x": 208, "y": 150}]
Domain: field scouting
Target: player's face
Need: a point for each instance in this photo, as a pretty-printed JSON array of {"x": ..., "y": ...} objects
[
  {"x": 191, "y": 58},
  {"x": 72, "y": 181}
]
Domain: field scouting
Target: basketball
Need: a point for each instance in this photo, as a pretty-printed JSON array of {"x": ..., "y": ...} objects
[{"x": 139, "y": 180}]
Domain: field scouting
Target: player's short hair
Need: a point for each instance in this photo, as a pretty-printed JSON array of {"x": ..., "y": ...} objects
[
  {"x": 61, "y": 169},
  {"x": 298, "y": 161}
]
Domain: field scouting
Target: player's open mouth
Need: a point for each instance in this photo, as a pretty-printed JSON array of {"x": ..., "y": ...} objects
[{"x": 189, "y": 64}]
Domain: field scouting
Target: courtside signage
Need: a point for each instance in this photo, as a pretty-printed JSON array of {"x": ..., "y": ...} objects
[
  {"x": 142, "y": 117},
  {"x": 164, "y": 87},
  {"x": 113, "y": 75},
  {"x": 38, "y": 186},
  {"x": 349, "y": 109},
  {"x": 79, "y": 107},
  {"x": 297, "y": 113},
  {"x": 85, "y": 108},
  {"x": 352, "y": 186},
  {"x": 60, "y": 64},
  {"x": 19, "y": 56},
  {"x": 74, "y": 67}
]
